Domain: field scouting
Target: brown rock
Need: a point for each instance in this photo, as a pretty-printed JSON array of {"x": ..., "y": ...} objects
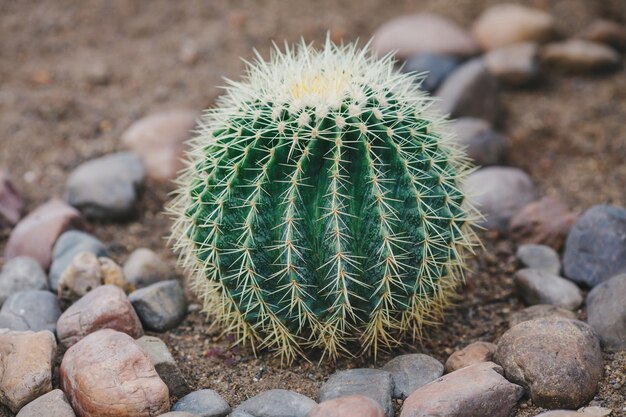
[
  {"x": 105, "y": 307},
  {"x": 352, "y": 406},
  {"x": 607, "y": 32},
  {"x": 108, "y": 375},
  {"x": 539, "y": 311},
  {"x": 546, "y": 221},
  {"x": 80, "y": 277},
  {"x": 11, "y": 203},
  {"x": 26, "y": 361},
  {"x": 474, "y": 391},
  {"x": 112, "y": 274},
  {"x": 557, "y": 360},
  {"x": 35, "y": 235},
  {"x": 580, "y": 56},
  {"x": 515, "y": 65},
  {"x": 473, "y": 353}
]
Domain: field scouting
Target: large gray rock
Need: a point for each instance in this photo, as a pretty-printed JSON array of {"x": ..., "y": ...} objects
[
  {"x": 535, "y": 286},
  {"x": 583, "y": 412},
  {"x": 67, "y": 247},
  {"x": 52, "y": 404},
  {"x": 409, "y": 372},
  {"x": 483, "y": 145},
  {"x": 275, "y": 403},
  {"x": 21, "y": 274},
  {"x": 540, "y": 257},
  {"x": 30, "y": 310},
  {"x": 606, "y": 311},
  {"x": 204, "y": 403},
  {"x": 434, "y": 67},
  {"x": 161, "y": 306},
  {"x": 165, "y": 365},
  {"x": 595, "y": 249}
]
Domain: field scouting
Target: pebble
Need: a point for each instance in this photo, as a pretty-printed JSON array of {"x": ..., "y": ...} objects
[
  {"x": 435, "y": 67},
  {"x": 540, "y": 257},
  {"x": 423, "y": 32},
  {"x": 546, "y": 221},
  {"x": 474, "y": 391},
  {"x": 52, "y": 404},
  {"x": 373, "y": 383},
  {"x": 507, "y": 24},
  {"x": 107, "y": 373},
  {"x": 499, "y": 193},
  {"x": 26, "y": 361},
  {"x": 34, "y": 310},
  {"x": 471, "y": 354},
  {"x": 606, "y": 312},
  {"x": 21, "y": 273},
  {"x": 161, "y": 306},
  {"x": 539, "y": 311},
  {"x": 112, "y": 274},
  {"x": 351, "y": 406},
  {"x": 106, "y": 188},
  {"x": 105, "y": 307},
  {"x": 11, "y": 203},
  {"x": 204, "y": 403},
  {"x": 409, "y": 372},
  {"x": 36, "y": 233},
  {"x": 67, "y": 247},
  {"x": 179, "y": 414},
  {"x": 535, "y": 286},
  {"x": 275, "y": 403},
  {"x": 483, "y": 145},
  {"x": 515, "y": 65},
  {"x": 595, "y": 249},
  {"x": 144, "y": 267},
  {"x": 557, "y": 360},
  {"x": 583, "y": 412},
  {"x": 165, "y": 365},
  {"x": 159, "y": 139},
  {"x": 607, "y": 32},
  {"x": 580, "y": 56},
  {"x": 80, "y": 277},
  {"x": 471, "y": 91}
]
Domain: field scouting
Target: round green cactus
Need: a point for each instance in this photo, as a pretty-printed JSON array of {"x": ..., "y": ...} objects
[{"x": 322, "y": 204}]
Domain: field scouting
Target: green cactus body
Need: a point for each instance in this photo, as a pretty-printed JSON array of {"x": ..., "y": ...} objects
[{"x": 322, "y": 205}]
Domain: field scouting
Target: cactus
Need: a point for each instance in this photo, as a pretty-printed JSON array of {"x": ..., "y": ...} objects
[{"x": 322, "y": 204}]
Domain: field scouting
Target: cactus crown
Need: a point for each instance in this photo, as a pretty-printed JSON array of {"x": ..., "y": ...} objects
[{"x": 322, "y": 203}]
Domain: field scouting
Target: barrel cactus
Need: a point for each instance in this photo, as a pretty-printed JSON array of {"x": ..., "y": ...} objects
[{"x": 322, "y": 204}]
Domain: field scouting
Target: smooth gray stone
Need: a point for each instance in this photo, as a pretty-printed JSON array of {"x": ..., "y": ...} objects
[
  {"x": 52, "y": 404},
  {"x": 34, "y": 310},
  {"x": 409, "y": 372},
  {"x": 535, "y": 286},
  {"x": 204, "y": 403},
  {"x": 21, "y": 274},
  {"x": 434, "y": 67},
  {"x": 165, "y": 365},
  {"x": 606, "y": 312},
  {"x": 539, "y": 257},
  {"x": 275, "y": 403},
  {"x": 67, "y": 246},
  {"x": 161, "y": 306}
]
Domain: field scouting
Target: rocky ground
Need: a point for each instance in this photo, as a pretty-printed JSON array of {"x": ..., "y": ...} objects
[{"x": 96, "y": 102}]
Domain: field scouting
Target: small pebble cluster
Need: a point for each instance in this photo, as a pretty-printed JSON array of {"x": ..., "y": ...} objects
[{"x": 64, "y": 300}]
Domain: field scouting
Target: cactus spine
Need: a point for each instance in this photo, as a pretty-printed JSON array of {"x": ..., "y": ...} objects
[{"x": 322, "y": 204}]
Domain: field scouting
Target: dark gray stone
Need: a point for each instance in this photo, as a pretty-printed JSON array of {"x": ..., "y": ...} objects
[
  {"x": 21, "y": 274},
  {"x": 540, "y": 287},
  {"x": 275, "y": 403},
  {"x": 66, "y": 247},
  {"x": 52, "y": 404},
  {"x": 539, "y": 311},
  {"x": 160, "y": 306},
  {"x": 539, "y": 257},
  {"x": 483, "y": 145},
  {"x": 204, "y": 403},
  {"x": 595, "y": 249},
  {"x": 165, "y": 365},
  {"x": 434, "y": 67},
  {"x": 409, "y": 372},
  {"x": 34, "y": 310},
  {"x": 106, "y": 188},
  {"x": 373, "y": 383},
  {"x": 606, "y": 311}
]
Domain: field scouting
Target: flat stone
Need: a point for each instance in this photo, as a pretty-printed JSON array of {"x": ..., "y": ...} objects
[
  {"x": 351, "y": 406},
  {"x": 144, "y": 267},
  {"x": 435, "y": 67},
  {"x": 583, "y": 412},
  {"x": 107, "y": 373},
  {"x": 483, "y": 145},
  {"x": 507, "y": 24},
  {"x": 423, "y": 32},
  {"x": 11, "y": 203},
  {"x": 558, "y": 361},
  {"x": 159, "y": 139},
  {"x": 540, "y": 287},
  {"x": 540, "y": 257},
  {"x": 52, "y": 404},
  {"x": 373, "y": 383},
  {"x": 409, "y": 372},
  {"x": 204, "y": 403},
  {"x": 474, "y": 391},
  {"x": 36, "y": 233},
  {"x": 595, "y": 249},
  {"x": 539, "y": 311},
  {"x": 471, "y": 354},
  {"x": 275, "y": 403},
  {"x": 607, "y": 32},
  {"x": 21, "y": 274},
  {"x": 515, "y": 65},
  {"x": 26, "y": 361},
  {"x": 165, "y": 365},
  {"x": 34, "y": 310},
  {"x": 471, "y": 91},
  {"x": 106, "y": 188},
  {"x": 70, "y": 244},
  {"x": 606, "y": 312},
  {"x": 161, "y": 306},
  {"x": 105, "y": 307},
  {"x": 80, "y": 277},
  {"x": 499, "y": 193},
  {"x": 580, "y": 56},
  {"x": 546, "y": 221}
]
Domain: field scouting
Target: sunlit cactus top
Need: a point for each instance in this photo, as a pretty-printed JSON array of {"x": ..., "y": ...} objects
[{"x": 322, "y": 205}]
